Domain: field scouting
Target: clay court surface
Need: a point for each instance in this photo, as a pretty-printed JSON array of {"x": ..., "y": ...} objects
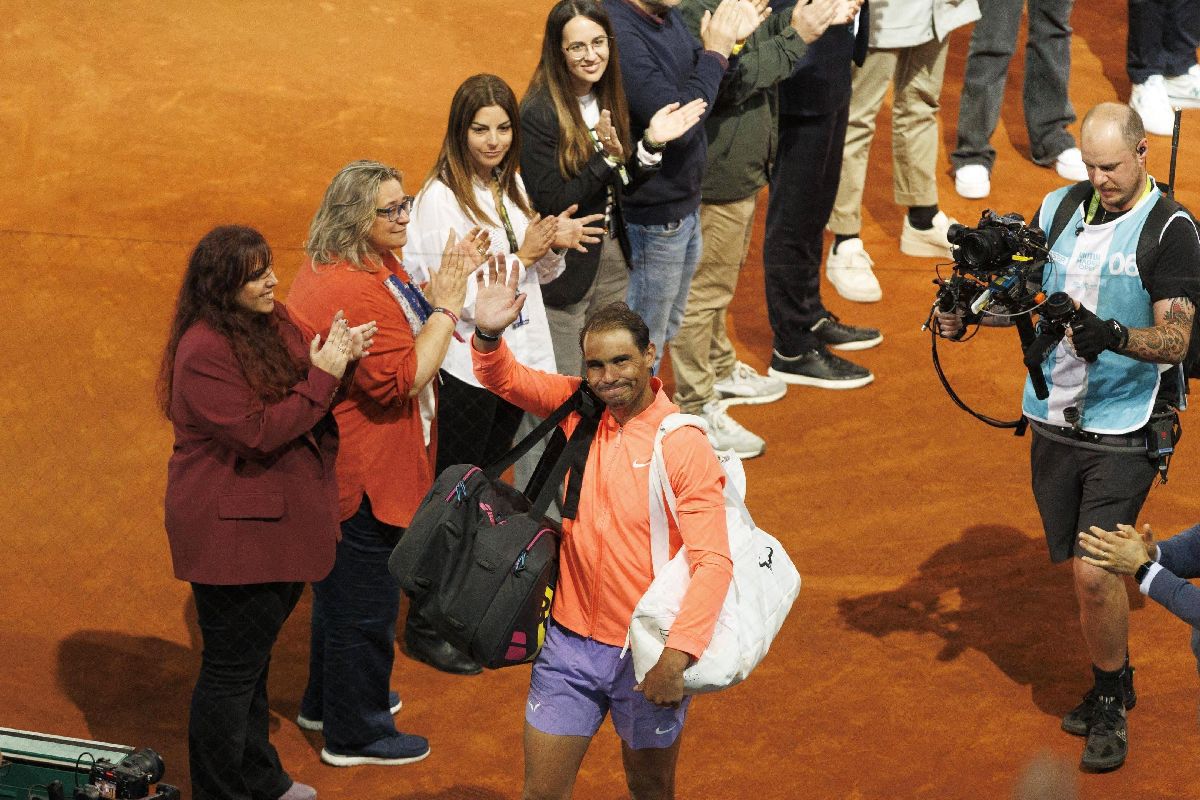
[{"x": 933, "y": 646}]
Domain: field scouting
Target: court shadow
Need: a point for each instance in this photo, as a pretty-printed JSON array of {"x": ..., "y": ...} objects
[
  {"x": 994, "y": 591},
  {"x": 132, "y": 690}
]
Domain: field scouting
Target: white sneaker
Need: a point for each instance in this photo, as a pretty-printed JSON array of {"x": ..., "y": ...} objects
[
  {"x": 848, "y": 268},
  {"x": 725, "y": 433},
  {"x": 745, "y": 385},
  {"x": 1069, "y": 165},
  {"x": 1184, "y": 90},
  {"x": 927, "y": 244},
  {"x": 973, "y": 181},
  {"x": 1150, "y": 100}
]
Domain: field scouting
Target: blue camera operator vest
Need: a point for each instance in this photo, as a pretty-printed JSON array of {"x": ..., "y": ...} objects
[{"x": 1097, "y": 266}]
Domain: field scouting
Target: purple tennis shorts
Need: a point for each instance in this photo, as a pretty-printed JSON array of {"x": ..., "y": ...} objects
[{"x": 576, "y": 681}]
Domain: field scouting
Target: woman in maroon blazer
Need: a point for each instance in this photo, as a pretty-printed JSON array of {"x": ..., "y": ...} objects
[{"x": 251, "y": 504}]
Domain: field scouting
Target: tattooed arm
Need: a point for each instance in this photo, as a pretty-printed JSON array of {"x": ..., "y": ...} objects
[{"x": 1167, "y": 341}]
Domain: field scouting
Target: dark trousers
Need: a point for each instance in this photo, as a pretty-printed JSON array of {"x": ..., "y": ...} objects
[
  {"x": 230, "y": 754},
  {"x": 1162, "y": 40},
  {"x": 474, "y": 426},
  {"x": 1048, "y": 109},
  {"x": 353, "y": 628},
  {"x": 804, "y": 183}
]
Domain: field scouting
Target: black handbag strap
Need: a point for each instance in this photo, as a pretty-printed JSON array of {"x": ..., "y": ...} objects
[{"x": 572, "y": 457}]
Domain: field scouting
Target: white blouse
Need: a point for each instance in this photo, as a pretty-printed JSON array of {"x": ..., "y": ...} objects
[{"x": 437, "y": 212}]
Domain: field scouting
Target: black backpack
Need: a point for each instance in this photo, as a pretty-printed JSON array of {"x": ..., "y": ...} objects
[{"x": 480, "y": 560}]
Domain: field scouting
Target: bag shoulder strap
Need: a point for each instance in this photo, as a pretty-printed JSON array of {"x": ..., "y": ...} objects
[
  {"x": 580, "y": 398},
  {"x": 661, "y": 490},
  {"x": 1074, "y": 198}
]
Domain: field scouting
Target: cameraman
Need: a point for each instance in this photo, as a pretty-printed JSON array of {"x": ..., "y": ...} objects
[{"x": 1089, "y": 458}]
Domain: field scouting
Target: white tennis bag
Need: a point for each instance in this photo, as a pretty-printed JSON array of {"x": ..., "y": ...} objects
[{"x": 764, "y": 584}]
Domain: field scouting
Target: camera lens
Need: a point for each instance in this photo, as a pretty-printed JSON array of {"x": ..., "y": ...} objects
[
  {"x": 1058, "y": 306},
  {"x": 980, "y": 248},
  {"x": 146, "y": 761}
]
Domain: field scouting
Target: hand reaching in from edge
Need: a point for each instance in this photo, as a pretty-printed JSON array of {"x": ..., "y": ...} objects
[
  {"x": 754, "y": 13},
  {"x": 674, "y": 120},
  {"x": 811, "y": 19},
  {"x": 575, "y": 233}
]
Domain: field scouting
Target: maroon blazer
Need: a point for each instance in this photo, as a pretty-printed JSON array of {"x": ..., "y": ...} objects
[{"x": 251, "y": 489}]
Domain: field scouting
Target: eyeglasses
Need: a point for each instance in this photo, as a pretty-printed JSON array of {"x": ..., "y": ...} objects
[
  {"x": 393, "y": 212},
  {"x": 578, "y": 50}
]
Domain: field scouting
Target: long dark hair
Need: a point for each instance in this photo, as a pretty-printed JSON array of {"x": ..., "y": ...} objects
[
  {"x": 551, "y": 76},
  {"x": 223, "y": 261},
  {"x": 453, "y": 166}
]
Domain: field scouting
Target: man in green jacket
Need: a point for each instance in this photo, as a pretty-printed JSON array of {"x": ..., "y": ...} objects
[{"x": 741, "y": 132}]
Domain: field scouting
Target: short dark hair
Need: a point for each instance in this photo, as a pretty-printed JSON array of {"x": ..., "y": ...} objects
[{"x": 617, "y": 316}]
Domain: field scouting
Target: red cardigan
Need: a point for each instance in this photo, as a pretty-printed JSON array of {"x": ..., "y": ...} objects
[
  {"x": 251, "y": 493},
  {"x": 383, "y": 450}
]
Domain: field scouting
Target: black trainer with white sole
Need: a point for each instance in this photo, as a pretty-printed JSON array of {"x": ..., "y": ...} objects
[
  {"x": 819, "y": 368},
  {"x": 837, "y": 335}
]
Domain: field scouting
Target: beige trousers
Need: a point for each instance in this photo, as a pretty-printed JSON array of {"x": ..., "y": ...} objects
[
  {"x": 701, "y": 352},
  {"x": 916, "y": 73}
]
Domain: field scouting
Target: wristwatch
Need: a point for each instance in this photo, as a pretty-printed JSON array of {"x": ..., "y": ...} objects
[{"x": 1140, "y": 574}]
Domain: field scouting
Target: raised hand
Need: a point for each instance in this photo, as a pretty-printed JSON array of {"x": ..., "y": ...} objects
[
  {"x": 673, "y": 120},
  {"x": 334, "y": 354},
  {"x": 497, "y": 302},
  {"x": 607, "y": 135},
  {"x": 539, "y": 236},
  {"x": 719, "y": 29},
  {"x": 575, "y": 233},
  {"x": 754, "y": 13},
  {"x": 811, "y": 19},
  {"x": 448, "y": 286}
]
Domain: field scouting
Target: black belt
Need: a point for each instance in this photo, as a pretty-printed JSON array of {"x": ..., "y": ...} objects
[{"x": 1134, "y": 440}]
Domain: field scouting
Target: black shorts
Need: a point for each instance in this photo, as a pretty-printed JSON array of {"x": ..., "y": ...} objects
[{"x": 1076, "y": 488}]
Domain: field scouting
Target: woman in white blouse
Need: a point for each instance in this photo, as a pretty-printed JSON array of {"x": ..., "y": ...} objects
[{"x": 475, "y": 183}]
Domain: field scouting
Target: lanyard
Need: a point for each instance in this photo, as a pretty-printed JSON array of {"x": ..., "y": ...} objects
[{"x": 508, "y": 228}]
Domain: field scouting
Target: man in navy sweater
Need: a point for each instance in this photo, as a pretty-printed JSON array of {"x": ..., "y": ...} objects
[{"x": 662, "y": 63}]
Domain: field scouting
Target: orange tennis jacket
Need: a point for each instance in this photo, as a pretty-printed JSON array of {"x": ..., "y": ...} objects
[{"x": 604, "y": 562}]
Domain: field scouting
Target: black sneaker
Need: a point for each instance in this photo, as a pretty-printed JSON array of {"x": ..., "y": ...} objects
[
  {"x": 819, "y": 368},
  {"x": 841, "y": 336},
  {"x": 1079, "y": 719},
  {"x": 1107, "y": 741}
]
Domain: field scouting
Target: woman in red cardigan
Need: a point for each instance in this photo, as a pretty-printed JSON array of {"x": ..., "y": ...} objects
[
  {"x": 251, "y": 503},
  {"x": 385, "y": 465}
]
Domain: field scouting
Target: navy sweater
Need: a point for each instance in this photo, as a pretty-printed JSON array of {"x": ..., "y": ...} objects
[
  {"x": 661, "y": 63},
  {"x": 1180, "y": 558}
]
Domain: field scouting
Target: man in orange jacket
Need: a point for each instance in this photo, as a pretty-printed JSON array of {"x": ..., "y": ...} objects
[{"x": 605, "y": 563}]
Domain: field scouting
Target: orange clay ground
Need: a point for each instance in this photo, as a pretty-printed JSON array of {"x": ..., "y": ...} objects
[{"x": 933, "y": 646}]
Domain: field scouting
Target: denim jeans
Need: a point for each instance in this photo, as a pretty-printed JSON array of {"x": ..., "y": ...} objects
[
  {"x": 664, "y": 258},
  {"x": 353, "y": 633},
  {"x": 229, "y": 751},
  {"x": 1048, "y": 109}
]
